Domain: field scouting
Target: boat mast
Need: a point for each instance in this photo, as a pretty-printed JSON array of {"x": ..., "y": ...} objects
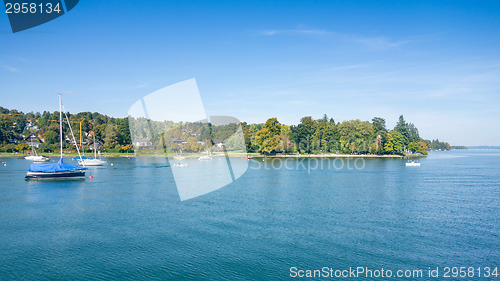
[
  {"x": 60, "y": 125},
  {"x": 95, "y": 147}
]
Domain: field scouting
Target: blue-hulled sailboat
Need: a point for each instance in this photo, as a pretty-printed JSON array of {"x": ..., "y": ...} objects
[
  {"x": 54, "y": 170},
  {"x": 59, "y": 169}
]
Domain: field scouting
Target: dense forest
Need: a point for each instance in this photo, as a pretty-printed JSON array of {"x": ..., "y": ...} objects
[
  {"x": 310, "y": 136},
  {"x": 347, "y": 137},
  {"x": 17, "y": 128}
]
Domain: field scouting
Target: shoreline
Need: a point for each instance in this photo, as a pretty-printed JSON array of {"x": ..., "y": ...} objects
[
  {"x": 234, "y": 155},
  {"x": 339, "y": 156}
]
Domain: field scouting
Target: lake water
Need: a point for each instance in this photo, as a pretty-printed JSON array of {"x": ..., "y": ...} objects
[{"x": 127, "y": 222}]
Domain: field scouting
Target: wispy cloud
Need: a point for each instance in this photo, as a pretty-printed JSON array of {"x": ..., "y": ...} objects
[
  {"x": 303, "y": 31},
  {"x": 9, "y": 68},
  {"x": 377, "y": 42},
  {"x": 381, "y": 42}
]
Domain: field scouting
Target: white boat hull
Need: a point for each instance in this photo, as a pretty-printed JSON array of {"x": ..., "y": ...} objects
[
  {"x": 37, "y": 158},
  {"x": 91, "y": 162}
]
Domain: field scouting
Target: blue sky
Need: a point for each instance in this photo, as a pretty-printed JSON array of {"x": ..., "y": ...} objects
[{"x": 436, "y": 62}]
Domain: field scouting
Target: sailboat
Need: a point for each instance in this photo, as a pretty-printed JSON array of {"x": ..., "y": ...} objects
[
  {"x": 35, "y": 157},
  {"x": 59, "y": 169},
  {"x": 92, "y": 161}
]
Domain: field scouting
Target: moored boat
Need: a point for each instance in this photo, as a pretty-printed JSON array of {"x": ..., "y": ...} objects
[
  {"x": 92, "y": 161},
  {"x": 412, "y": 163},
  {"x": 40, "y": 159},
  {"x": 56, "y": 170},
  {"x": 59, "y": 169},
  {"x": 35, "y": 157}
]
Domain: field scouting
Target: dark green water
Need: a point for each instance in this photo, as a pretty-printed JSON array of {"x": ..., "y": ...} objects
[{"x": 127, "y": 223}]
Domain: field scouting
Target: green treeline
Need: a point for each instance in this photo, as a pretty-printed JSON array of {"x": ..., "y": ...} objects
[
  {"x": 310, "y": 136},
  {"x": 17, "y": 127},
  {"x": 190, "y": 137},
  {"x": 348, "y": 137}
]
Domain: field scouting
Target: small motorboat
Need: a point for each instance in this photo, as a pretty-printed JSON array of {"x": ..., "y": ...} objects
[
  {"x": 412, "y": 163},
  {"x": 180, "y": 165}
]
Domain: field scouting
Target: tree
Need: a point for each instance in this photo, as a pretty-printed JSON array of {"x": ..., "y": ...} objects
[
  {"x": 413, "y": 135},
  {"x": 128, "y": 148},
  {"x": 389, "y": 144},
  {"x": 402, "y": 128},
  {"x": 398, "y": 141},
  {"x": 357, "y": 133},
  {"x": 9, "y": 147},
  {"x": 192, "y": 145},
  {"x": 235, "y": 141},
  {"x": 111, "y": 137},
  {"x": 250, "y": 134},
  {"x": 325, "y": 118},
  {"x": 436, "y": 145},
  {"x": 22, "y": 147},
  {"x": 378, "y": 125},
  {"x": 123, "y": 131},
  {"x": 422, "y": 148},
  {"x": 5, "y": 133},
  {"x": 268, "y": 138},
  {"x": 301, "y": 134},
  {"x": 51, "y": 137},
  {"x": 418, "y": 147},
  {"x": 394, "y": 142},
  {"x": 322, "y": 136}
]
